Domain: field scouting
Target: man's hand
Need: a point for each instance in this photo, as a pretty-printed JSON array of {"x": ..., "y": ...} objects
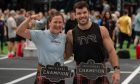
[{"x": 116, "y": 77}]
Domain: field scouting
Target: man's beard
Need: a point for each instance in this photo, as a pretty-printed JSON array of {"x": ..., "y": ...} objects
[{"x": 80, "y": 23}]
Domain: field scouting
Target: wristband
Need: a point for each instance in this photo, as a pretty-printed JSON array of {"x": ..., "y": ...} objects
[{"x": 116, "y": 67}]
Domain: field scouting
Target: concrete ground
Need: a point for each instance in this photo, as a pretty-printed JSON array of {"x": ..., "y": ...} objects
[{"x": 23, "y": 70}]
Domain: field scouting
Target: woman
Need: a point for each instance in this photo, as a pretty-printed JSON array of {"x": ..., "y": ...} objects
[
  {"x": 50, "y": 43},
  {"x": 109, "y": 23}
]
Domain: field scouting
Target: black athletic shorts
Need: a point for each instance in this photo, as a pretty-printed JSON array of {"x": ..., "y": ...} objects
[
  {"x": 19, "y": 38},
  {"x": 11, "y": 40}
]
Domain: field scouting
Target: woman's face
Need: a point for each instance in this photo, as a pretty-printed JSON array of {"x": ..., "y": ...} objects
[
  {"x": 107, "y": 15},
  {"x": 56, "y": 24}
]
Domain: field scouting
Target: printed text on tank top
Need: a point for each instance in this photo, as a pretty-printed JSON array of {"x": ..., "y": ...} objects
[{"x": 85, "y": 39}]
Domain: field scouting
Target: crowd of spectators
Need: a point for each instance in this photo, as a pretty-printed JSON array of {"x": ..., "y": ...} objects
[{"x": 120, "y": 27}]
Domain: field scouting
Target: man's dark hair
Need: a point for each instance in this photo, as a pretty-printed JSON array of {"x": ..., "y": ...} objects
[
  {"x": 125, "y": 11},
  {"x": 21, "y": 11},
  {"x": 72, "y": 11},
  {"x": 80, "y": 5}
]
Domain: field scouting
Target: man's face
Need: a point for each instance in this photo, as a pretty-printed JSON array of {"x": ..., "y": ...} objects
[
  {"x": 82, "y": 15},
  {"x": 72, "y": 15}
]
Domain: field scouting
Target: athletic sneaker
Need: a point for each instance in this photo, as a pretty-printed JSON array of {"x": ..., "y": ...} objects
[{"x": 10, "y": 55}]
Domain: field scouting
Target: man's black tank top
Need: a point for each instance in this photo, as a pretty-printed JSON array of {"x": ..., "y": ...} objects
[{"x": 88, "y": 44}]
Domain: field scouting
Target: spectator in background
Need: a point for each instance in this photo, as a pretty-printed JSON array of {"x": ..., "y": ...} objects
[
  {"x": 115, "y": 31},
  {"x": 109, "y": 23},
  {"x": 12, "y": 26},
  {"x": 117, "y": 13},
  {"x": 45, "y": 19},
  {"x": 64, "y": 15},
  {"x": 28, "y": 14},
  {"x": 2, "y": 32},
  {"x": 71, "y": 22},
  {"x": 106, "y": 6},
  {"x": 125, "y": 30},
  {"x": 20, "y": 40},
  {"x": 5, "y": 16},
  {"x": 133, "y": 26},
  {"x": 95, "y": 17},
  {"x": 137, "y": 28}
]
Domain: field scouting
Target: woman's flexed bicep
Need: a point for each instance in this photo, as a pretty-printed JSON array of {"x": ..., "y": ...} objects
[{"x": 22, "y": 29}]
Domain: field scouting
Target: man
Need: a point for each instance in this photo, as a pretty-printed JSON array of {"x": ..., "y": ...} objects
[
  {"x": 2, "y": 32},
  {"x": 12, "y": 25},
  {"x": 71, "y": 22},
  {"x": 86, "y": 42},
  {"x": 125, "y": 30},
  {"x": 137, "y": 28},
  {"x": 20, "y": 40}
]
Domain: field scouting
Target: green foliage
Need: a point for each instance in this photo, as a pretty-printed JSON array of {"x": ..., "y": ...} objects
[{"x": 5, "y": 51}]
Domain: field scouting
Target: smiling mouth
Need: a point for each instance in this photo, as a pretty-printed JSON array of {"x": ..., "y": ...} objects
[{"x": 82, "y": 20}]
